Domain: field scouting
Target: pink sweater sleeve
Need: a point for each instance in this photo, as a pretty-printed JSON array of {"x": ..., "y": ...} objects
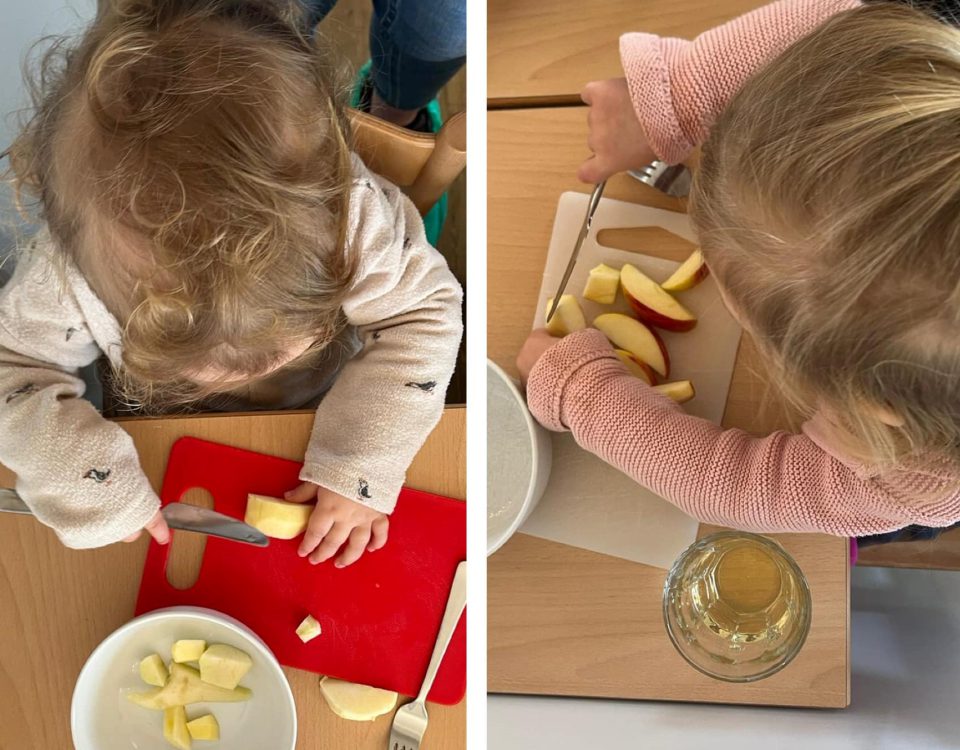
[
  {"x": 778, "y": 483},
  {"x": 679, "y": 87}
]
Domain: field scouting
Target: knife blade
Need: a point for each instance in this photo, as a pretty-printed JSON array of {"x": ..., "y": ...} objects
[
  {"x": 179, "y": 516},
  {"x": 584, "y": 231}
]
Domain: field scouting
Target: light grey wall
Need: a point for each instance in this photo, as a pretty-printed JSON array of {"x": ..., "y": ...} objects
[{"x": 22, "y": 23}]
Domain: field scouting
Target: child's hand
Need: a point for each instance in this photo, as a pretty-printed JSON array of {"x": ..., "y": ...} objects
[
  {"x": 616, "y": 138},
  {"x": 336, "y": 520},
  {"x": 533, "y": 348},
  {"x": 156, "y": 527}
]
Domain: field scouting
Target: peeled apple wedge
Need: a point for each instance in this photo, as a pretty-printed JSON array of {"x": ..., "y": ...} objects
[
  {"x": 681, "y": 391},
  {"x": 185, "y": 687},
  {"x": 153, "y": 671},
  {"x": 633, "y": 336},
  {"x": 204, "y": 728},
  {"x": 637, "y": 367},
  {"x": 309, "y": 629},
  {"x": 691, "y": 272},
  {"x": 356, "y": 702},
  {"x": 567, "y": 318},
  {"x": 175, "y": 727},
  {"x": 183, "y": 651},
  {"x": 602, "y": 284},
  {"x": 276, "y": 518},
  {"x": 652, "y": 304},
  {"x": 224, "y": 666}
]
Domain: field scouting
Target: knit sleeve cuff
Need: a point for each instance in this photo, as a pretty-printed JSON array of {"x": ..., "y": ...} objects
[
  {"x": 379, "y": 493},
  {"x": 549, "y": 377},
  {"x": 646, "y": 60}
]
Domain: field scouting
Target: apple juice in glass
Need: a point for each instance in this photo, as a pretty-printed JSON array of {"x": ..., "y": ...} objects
[{"x": 736, "y": 606}]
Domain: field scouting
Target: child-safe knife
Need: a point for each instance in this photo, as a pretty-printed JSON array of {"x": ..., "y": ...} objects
[
  {"x": 177, "y": 515},
  {"x": 584, "y": 231}
]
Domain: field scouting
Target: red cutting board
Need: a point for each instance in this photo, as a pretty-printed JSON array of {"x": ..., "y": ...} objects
[{"x": 379, "y": 616}]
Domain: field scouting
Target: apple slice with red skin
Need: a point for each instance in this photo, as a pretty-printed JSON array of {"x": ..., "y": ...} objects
[
  {"x": 652, "y": 304},
  {"x": 637, "y": 367},
  {"x": 680, "y": 391},
  {"x": 630, "y": 334},
  {"x": 691, "y": 272}
]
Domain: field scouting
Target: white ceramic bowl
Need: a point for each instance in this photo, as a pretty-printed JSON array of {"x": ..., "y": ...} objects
[
  {"x": 519, "y": 453},
  {"x": 101, "y": 717}
]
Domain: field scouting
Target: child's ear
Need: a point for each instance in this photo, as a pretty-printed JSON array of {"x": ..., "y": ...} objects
[{"x": 886, "y": 414}]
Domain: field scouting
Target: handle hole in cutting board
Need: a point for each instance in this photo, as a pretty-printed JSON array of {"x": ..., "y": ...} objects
[
  {"x": 186, "y": 549},
  {"x": 655, "y": 241}
]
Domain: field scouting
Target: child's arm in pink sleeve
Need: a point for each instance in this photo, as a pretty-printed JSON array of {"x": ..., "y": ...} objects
[
  {"x": 679, "y": 87},
  {"x": 781, "y": 482}
]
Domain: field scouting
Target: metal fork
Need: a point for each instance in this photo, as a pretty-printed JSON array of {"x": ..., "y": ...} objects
[{"x": 410, "y": 721}]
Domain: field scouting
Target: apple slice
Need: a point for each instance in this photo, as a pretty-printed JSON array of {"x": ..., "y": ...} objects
[
  {"x": 204, "y": 727},
  {"x": 184, "y": 651},
  {"x": 630, "y": 334},
  {"x": 356, "y": 702},
  {"x": 602, "y": 284},
  {"x": 276, "y": 518},
  {"x": 224, "y": 666},
  {"x": 652, "y": 304},
  {"x": 185, "y": 687},
  {"x": 638, "y": 368},
  {"x": 680, "y": 391},
  {"x": 309, "y": 629},
  {"x": 175, "y": 730},
  {"x": 691, "y": 272},
  {"x": 567, "y": 318}
]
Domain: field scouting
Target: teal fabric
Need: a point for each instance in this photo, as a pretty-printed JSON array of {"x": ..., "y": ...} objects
[{"x": 436, "y": 217}]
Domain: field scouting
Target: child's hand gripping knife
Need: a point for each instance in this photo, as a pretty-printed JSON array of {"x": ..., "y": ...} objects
[
  {"x": 79, "y": 473},
  {"x": 405, "y": 303},
  {"x": 674, "y": 89}
]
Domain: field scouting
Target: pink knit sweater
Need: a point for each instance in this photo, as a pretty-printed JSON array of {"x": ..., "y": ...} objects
[{"x": 781, "y": 482}]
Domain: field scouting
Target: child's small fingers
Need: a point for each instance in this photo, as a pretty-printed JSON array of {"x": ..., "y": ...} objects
[
  {"x": 588, "y": 171},
  {"x": 331, "y": 543},
  {"x": 356, "y": 544},
  {"x": 586, "y": 94},
  {"x": 318, "y": 527},
  {"x": 378, "y": 534},
  {"x": 158, "y": 529},
  {"x": 301, "y": 493}
]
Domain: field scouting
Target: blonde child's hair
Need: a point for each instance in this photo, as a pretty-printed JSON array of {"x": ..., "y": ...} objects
[
  {"x": 192, "y": 157},
  {"x": 828, "y": 205}
]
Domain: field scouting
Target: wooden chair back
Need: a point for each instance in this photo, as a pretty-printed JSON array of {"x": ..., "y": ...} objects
[{"x": 423, "y": 165}]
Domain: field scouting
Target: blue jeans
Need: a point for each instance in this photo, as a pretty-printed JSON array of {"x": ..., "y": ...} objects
[{"x": 416, "y": 46}]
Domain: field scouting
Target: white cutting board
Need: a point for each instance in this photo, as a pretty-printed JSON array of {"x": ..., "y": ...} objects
[{"x": 588, "y": 503}]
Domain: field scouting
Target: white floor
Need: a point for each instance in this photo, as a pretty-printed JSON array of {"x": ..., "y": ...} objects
[{"x": 905, "y": 685}]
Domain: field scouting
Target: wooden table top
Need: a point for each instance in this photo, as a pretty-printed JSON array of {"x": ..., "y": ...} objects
[
  {"x": 547, "y": 50},
  {"x": 58, "y": 604},
  {"x": 566, "y": 621}
]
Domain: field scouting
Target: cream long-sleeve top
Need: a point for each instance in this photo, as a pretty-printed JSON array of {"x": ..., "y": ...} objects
[
  {"x": 781, "y": 482},
  {"x": 80, "y": 473}
]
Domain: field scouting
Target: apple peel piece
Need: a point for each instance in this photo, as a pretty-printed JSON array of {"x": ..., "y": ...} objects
[
  {"x": 185, "y": 687},
  {"x": 567, "y": 318},
  {"x": 355, "y": 702},
  {"x": 602, "y": 284},
  {"x": 690, "y": 273},
  {"x": 276, "y": 518},
  {"x": 637, "y": 367},
  {"x": 680, "y": 391},
  {"x": 633, "y": 336},
  {"x": 652, "y": 304}
]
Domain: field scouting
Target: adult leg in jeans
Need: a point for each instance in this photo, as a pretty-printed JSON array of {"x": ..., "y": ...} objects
[{"x": 416, "y": 47}]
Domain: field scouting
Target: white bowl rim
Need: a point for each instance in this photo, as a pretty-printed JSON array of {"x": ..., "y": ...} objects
[
  {"x": 203, "y": 613},
  {"x": 532, "y": 427}
]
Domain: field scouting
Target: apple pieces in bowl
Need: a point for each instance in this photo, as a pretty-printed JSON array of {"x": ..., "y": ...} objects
[{"x": 179, "y": 685}]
